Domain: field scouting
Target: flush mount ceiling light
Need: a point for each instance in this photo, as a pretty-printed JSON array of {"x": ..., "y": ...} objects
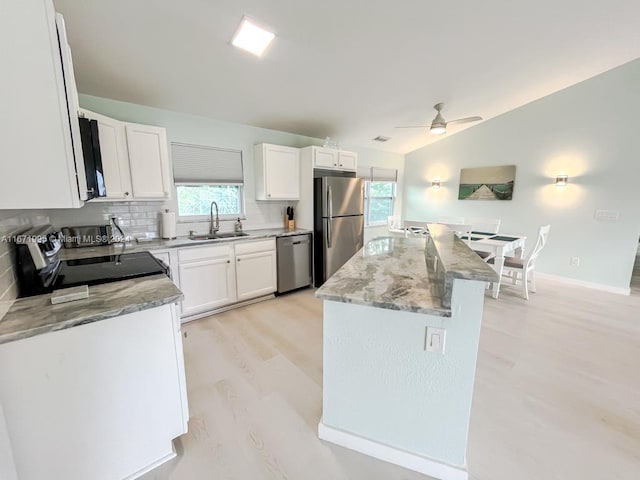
[{"x": 251, "y": 37}]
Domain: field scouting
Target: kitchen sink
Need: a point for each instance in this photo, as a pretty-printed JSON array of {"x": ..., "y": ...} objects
[{"x": 213, "y": 236}]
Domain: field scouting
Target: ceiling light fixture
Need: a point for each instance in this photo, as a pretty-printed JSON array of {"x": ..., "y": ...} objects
[
  {"x": 435, "y": 184},
  {"x": 251, "y": 37},
  {"x": 438, "y": 129}
]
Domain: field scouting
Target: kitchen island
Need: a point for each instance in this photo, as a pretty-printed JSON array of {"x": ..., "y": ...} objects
[
  {"x": 400, "y": 337},
  {"x": 93, "y": 388}
]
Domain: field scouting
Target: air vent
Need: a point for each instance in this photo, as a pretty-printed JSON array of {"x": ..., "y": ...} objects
[{"x": 381, "y": 139}]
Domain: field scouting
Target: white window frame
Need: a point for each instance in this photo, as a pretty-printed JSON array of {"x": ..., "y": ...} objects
[
  {"x": 367, "y": 202},
  {"x": 205, "y": 218}
]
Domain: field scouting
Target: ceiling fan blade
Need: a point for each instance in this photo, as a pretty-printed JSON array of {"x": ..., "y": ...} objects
[
  {"x": 414, "y": 126},
  {"x": 464, "y": 120}
]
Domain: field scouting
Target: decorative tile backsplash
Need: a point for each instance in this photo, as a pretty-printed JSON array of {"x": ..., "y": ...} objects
[
  {"x": 137, "y": 219},
  {"x": 9, "y": 225}
]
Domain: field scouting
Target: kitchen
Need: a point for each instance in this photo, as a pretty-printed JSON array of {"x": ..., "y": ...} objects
[{"x": 141, "y": 218}]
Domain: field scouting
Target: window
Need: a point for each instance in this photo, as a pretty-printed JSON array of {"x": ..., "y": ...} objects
[
  {"x": 205, "y": 174},
  {"x": 195, "y": 199},
  {"x": 379, "y": 194}
]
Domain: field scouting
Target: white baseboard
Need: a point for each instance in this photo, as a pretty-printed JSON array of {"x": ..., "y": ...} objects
[
  {"x": 393, "y": 455},
  {"x": 154, "y": 465},
  {"x": 582, "y": 283}
]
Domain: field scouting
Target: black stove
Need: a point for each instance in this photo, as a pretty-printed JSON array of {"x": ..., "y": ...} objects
[
  {"x": 39, "y": 270},
  {"x": 110, "y": 268}
]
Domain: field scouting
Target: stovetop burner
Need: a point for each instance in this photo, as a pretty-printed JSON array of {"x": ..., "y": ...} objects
[{"x": 106, "y": 269}]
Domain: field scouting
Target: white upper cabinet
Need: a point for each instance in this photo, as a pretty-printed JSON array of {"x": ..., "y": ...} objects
[
  {"x": 325, "y": 158},
  {"x": 347, "y": 160},
  {"x": 135, "y": 159},
  {"x": 38, "y": 167},
  {"x": 149, "y": 161},
  {"x": 115, "y": 158},
  {"x": 330, "y": 159},
  {"x": 277, "y": 172}
]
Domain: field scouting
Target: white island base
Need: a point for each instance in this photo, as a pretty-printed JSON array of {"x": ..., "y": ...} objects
[
  {"x": 385, "y": 396},
  {"x": 97, "y": 401}
]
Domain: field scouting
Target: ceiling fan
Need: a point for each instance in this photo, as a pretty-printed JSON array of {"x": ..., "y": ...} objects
[{"x": 439, "y": 124}]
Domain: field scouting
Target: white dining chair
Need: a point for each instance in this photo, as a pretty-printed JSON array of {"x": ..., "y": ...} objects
[
  {"x": 394, "y": 224},
  {"x": 486, "y": 225},
  {"x": 415, "y": 228},
  {"x": 451, "y": 220},
  {"x": 523, "y": 269}
]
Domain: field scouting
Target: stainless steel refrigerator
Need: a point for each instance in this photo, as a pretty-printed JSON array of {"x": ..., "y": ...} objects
[{"x": 338, "y": 223}]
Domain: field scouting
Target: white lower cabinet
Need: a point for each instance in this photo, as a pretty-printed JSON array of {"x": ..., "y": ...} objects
[
  {"x": 207, "y": 278},
  {"x": 100, "y": 401},
  {"x": 256, "y": 274},
  {"x": 215, "y": 276}
]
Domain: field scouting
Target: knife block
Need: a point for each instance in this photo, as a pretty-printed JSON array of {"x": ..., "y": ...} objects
[{"x": 289, "y": 224}]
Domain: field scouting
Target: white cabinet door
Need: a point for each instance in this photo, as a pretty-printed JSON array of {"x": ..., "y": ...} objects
[
  {"x": 346, "y": 161},
  {"x": 115, "y": 158},
  {"x": 177, "y": 328},
  {"x": 207, "y": 284},
  {"x": 148, "y": 161},
  {"x": 37, "y": 123},
  {"x": 325, "y": 158},
  {"x": 256, "y": 274},
  {"x": 282, "y": 172}
]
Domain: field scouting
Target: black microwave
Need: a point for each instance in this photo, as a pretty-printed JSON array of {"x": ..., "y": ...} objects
[{"x": 92, "y": 158}]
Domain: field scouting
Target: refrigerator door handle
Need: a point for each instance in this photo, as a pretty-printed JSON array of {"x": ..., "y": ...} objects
[
  {"x": 329, "y": 203},
  {"x": 329, "y": 220}
]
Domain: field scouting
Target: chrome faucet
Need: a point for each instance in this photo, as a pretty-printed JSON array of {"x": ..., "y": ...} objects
[{"x": 214, "y": 229}]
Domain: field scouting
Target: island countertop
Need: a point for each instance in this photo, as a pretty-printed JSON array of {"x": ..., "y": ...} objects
[
  {"x": 27, "y": 317},
  {"x": 407, "y": 273}
]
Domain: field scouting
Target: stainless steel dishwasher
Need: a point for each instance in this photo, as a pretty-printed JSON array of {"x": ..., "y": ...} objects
[{"x": 294, "y": 262}]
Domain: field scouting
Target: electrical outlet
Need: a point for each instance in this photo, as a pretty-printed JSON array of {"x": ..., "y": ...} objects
[
  {"x": 574, "y": 261},
  {"x": 434, "y": 340}
]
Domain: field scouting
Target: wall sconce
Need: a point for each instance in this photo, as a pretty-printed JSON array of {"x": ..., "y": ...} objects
[
  {"x": 435, "y": 184},
  {"x": 562, "y": 180}
]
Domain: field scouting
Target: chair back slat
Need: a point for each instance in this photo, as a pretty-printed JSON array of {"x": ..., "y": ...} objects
[{"x": 543, "y": 234}]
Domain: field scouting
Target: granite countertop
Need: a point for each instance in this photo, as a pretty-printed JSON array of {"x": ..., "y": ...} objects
[
  {"x": 161, "y": 244},
  {"x": 402, "y": 273},
  {"x": 27, "y": 317},
  {"x": 389, "y": 272}
]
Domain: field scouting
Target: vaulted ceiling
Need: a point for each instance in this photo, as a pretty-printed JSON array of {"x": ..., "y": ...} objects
[{"x": 350, "y": 69}]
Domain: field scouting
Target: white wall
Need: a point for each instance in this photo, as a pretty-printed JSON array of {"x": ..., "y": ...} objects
[
  {"x": 194, "y": 129},
  {"x": 589, "y": 131}
]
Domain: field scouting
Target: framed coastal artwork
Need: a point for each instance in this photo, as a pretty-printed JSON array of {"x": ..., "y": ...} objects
[{"x": 487, "y": 183}]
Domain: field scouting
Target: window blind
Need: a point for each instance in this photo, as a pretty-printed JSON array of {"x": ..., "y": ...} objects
[
  {"x": 363, "y": 172},
  {"x": 203, "y": 164},
  {"x": 384, "y": 174},
  {"x": 376, "y": 174}
]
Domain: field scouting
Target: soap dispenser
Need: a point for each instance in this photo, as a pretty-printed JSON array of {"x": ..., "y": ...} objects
[{"x": 238, "y": 226}]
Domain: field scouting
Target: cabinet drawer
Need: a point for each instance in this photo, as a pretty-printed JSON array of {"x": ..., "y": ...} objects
[
  {"x": 192, "y": 254},
  {"x": 258, "y": 246}
]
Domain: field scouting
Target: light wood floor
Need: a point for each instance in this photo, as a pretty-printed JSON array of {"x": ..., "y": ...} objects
[{"x": 557, "y": 393}]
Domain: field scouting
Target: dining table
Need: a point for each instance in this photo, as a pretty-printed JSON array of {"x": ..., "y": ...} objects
[{"x": 500, "y": 246}]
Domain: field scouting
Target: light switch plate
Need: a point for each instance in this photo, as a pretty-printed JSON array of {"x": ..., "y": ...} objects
[{"x": 435, "y": 340}]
